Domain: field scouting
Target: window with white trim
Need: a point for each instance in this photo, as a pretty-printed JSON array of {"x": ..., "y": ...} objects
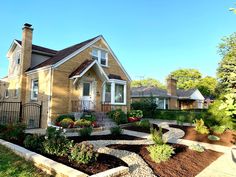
[
  {"x": 16, "y": 92},
  {"x": 101, "y": 56},
  {"x": 34, "y": 89},
  {"x": 115, "y": 92},
  {"x": 7, "y": 93}
]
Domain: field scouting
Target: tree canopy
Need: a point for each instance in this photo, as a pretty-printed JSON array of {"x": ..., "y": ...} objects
[
  {"x": 207, "y": 86},
  {"x": 192, "y": 78},
  {"x": 226, "y": 71},
  {"x": 148, "y": 82}
]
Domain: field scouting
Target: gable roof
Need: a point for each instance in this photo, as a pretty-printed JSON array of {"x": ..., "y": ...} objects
[
  {"x": 157, "y": 92},
  {"x": 81, "y": 68},
  {"x": 62, "y": 54},
  {"x": 39, "y": 48}
]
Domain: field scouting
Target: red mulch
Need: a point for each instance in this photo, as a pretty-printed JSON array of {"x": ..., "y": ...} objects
[
  {"x": 228, "y": 138},
  {"x": 184, "y": 162},
  {"x": 78, "y": 139},
  {"x": 142, "y": 129}
]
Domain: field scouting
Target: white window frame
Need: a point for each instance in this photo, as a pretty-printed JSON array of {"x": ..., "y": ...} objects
[
  {"x": 16, "y": 91},
  {"x": 6, "y": 95},
  {"x": 100, "y": 56},
  {"x": 18, "y": 57},
  {"x": 32, "y": 90},
  {"x": 113, "y": 82}
]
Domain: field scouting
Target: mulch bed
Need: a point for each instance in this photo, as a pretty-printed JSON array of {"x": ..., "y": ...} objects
[
  {"x": 103, "y": 163},
  {"x": 79, "y": 139},
  {"x": 142, "y": 129},
  {"x": 184, "y": 162},
  {"x": 228, "y": 138}
]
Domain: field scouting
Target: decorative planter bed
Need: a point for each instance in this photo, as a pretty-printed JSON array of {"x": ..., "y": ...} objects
[
  {"x": 228, "y": 138},
  {"x": 184, "y": 162},
  {"x": 105, "y": 166}
]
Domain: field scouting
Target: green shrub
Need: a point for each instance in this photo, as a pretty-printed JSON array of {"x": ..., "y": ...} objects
[
  {"x": 3, "y": 128},
  {"x": 56, "y": 143},
  {"x": 180, "y": 120},
  {"x": 118, "y": 116},
  {"x": 218, "y": 129},
  {"x": 157, "y": 136},
  {"x": 200, "y": 127},
  {"x": 83, "y": 153},
  {"x": 148, "y": 107},
  {"x": 218, "y": 116},
  {"x": 85, "y": 132},
  {"x": 197, "y": 147},
  {"x": 33, "y": 142},
  {"x": 116, "y": 131},
  {"x": 89, "y": 117},
  {"x": 136, "y": 113},
  {"x": 64, "y": 116},
  {"x": 82, "y": 123},
  {"x": 67, "y": 123},
  {"x": 160, "y": 153},
  {"x": 143, "y": 123},
  {"x": 13, "y": 131}
]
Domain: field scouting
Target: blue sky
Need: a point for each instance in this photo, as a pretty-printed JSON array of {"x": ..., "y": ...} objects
[{"x": 150, "y": 37}]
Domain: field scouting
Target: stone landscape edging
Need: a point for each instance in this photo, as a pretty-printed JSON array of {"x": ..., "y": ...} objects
[{"x": 53, "y": 167}]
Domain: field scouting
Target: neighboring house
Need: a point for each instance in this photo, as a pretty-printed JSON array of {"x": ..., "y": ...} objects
[
  {"x": 172, "y": 98},
  {"x": 85, "y": 76}
]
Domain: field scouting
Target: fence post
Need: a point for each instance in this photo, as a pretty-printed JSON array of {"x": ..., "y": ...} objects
[
  {"x": 40, "y": 114},
  {"x": 20, "y": 114}
]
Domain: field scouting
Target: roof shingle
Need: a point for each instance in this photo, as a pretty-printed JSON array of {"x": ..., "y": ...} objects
[{"x": 81, "y": 68}]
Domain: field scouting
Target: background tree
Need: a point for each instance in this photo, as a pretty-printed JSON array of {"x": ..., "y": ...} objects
[
  {"x": 186, "y": 78},
  {"x": 149, "y": 82},
  {"x": 226, "y": 71},
  {"x": 207, "y": 86}
]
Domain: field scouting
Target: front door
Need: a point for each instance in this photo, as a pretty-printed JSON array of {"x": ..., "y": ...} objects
[{"x": 87, "y": 102}]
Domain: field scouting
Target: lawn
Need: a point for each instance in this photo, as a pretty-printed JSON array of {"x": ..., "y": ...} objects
[{"x": 13, "y": 165}]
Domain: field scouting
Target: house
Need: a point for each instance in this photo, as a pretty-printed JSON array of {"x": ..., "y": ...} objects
[
  {"x": 84, "y": 76},
  {"x": 172, "y": 98}
]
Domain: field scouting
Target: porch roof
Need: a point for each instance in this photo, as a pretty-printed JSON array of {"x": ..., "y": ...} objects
[{"x": 85, "y": 66}]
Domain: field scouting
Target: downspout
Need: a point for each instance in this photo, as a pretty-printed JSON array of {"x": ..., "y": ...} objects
[{"x": 50, "y": 98}]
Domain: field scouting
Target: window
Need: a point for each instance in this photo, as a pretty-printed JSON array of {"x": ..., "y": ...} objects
[
  {"x": 108, "y": 93},
  {"x": 18, "y": 58},
  {"x": 101, "y": 56},
  {"x": 16, "y": 91},
  {"x": 6, "y": 93},
  {"x": 95, "y": 54},
  {"x": 86, "y": 89},
  {"x": 119, "y": 93},
  {"x": 161, "y": 103},
  {"x": 115, "y": 92},
  {"x": 34, "y": 89}
]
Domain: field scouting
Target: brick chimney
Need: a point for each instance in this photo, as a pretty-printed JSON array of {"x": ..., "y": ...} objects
[
  {"x": 26, "y": 51},
  {"x": 172, "y": 92},
  {"x": 27, "y": 34},
  {"x": 171, "y": 86}
]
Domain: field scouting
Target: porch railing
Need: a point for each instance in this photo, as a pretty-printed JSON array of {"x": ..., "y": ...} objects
[{"x": 82, "y": 105}]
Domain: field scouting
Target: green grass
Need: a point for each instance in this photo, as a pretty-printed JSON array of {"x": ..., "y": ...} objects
[{"x": 13, "y": 165}]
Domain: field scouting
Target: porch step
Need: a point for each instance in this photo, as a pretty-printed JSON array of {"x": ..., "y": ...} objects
[{"x": 103, "y": 120}]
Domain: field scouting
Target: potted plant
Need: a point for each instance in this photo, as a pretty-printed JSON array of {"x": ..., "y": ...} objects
[{"x": 135, "y": 115}]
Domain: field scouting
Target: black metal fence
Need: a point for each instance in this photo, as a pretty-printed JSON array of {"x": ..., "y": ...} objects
[{"x": 13, "y": 112}]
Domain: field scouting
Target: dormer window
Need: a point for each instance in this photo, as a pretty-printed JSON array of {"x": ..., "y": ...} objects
[
  {"x": 18, "y": 59},
  {"x": 101, "y": 56}
]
